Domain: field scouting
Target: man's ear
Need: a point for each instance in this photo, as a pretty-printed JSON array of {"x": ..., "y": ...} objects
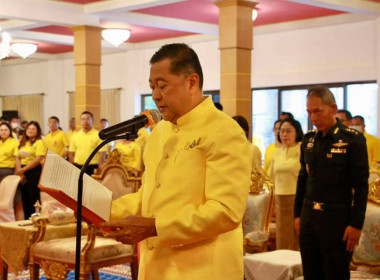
[
  {"x": 194, "y": 81},
  {"x": 334, "y": 109}
]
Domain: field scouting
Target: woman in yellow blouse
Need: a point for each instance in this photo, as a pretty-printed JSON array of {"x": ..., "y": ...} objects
[
  {"x": 130, "y": 153},
  {"x": 31, "y": 155},
  {"x": 8, "y": 156},
  {"x": 285, "y": 168}
]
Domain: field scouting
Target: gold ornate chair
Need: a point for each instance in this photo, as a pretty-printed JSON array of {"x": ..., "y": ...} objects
[
  {"x": 116, "y": 177},
  {"x": 57, "y": 256},
  {"x": 258, "y": 212},
  {"x": 366, "y": 256}
]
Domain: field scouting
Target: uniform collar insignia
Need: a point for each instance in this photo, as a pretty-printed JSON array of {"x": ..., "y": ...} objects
[{"x": 336, "y": 130}]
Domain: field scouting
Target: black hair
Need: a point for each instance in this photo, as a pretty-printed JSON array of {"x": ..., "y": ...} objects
[
  {"x": 88, "y": 113},
  {"x": 360, "y": 118},
  {"x": 346, "y": 113},
  {"x": 9, "y": 127},
  {"x": 183, "y": 59},
  {"x": 290, "y": 115},
  {"x": 243, "y": 123},
  {"x": 297, "y": 127},
  {"x": 54, "y": 118}
]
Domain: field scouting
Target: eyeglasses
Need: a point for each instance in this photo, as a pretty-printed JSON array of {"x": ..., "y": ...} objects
[{"x": 282, "y": 131}]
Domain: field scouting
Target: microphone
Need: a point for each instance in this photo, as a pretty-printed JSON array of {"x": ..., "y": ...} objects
[{"x": 147, "y": 118}]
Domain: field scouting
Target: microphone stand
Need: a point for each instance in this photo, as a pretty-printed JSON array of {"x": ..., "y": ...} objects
[{"x": 129, "y": 136}]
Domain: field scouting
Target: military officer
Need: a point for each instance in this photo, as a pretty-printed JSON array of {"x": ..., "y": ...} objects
[{"x": 332, "y": 191}]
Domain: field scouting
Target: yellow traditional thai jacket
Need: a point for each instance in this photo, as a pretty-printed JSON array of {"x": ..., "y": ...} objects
[{"x": 196, "y": 185}]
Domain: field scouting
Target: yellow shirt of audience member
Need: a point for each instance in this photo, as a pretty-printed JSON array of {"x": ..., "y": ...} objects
[
  {"x": 256, "y": 156},
  {"x": 8, "y": 152},
  {"x": 373, "y": 148},
  {"x": 57, "y": 142},
  {"x": 69, "y": 135},
  {"x": 268, "y": 156},
  {"x": 285, "y": 168},
  {"x": 130, "y": 154},
  {"x": 82, "y": 144},
  {"x": 29, "y": 152},
  {"x": 142, "y": 138}
]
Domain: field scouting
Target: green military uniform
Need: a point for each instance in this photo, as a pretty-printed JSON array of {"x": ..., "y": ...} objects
[{"x": 332, "y": 166}]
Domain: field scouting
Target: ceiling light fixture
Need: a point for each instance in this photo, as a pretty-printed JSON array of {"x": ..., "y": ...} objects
[
  {"x": 254, "y": 14},
  {"x": 5, "y": 48},
  {"x": 116, "y": 36},
  {"x": 24, "y": 49}
]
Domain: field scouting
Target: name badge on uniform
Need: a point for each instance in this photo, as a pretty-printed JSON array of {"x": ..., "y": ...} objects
[{"x": 337, "y": 151}]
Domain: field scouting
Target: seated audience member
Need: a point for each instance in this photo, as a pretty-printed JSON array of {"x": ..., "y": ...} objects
[
  {"x": 256, "y": 153},
  {"x": 284, "y": 170},
  {"x": 8, "y": 156},
  {"x": 286, "y": 115},
  {"x": 344, "y": 116},
  {"x": 130, "y": 154},
  {"x": 56, "y": 139},
  {"x": 373, "y": 142},
  {"x": 269, "y": 151},
  {"x": 32, "y": 152}
]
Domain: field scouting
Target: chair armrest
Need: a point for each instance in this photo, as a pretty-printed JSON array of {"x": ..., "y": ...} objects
[
  {"x": 47, "y": 231},
  {"x": 40, "y": 223}
]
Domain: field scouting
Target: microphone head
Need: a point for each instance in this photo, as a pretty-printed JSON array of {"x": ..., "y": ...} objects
[
  {"x": 156, "y": 115},
  {"x": 153, "y": 116}
]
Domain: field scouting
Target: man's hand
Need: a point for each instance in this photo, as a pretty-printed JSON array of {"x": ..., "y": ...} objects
[
  {"x": 132, "y": 229},
  {"x": 352, "y": 236},
  {"x": 297, "y": 225}
]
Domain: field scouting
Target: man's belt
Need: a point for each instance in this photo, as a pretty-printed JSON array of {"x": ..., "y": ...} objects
[{"x": 321, "y": 206}]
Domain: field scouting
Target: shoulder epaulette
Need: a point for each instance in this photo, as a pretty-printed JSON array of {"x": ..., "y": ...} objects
[
  {"x": 352, "y": 130},
  {"x": 311, "y": 131}
]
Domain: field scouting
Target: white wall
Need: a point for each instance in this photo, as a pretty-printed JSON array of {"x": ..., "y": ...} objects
[
  {"x": 345, "y": 52},
  {"x": 319, "y": 55}
]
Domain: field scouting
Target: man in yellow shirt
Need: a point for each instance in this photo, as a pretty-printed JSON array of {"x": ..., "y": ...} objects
[
  {"x": 188, "y": 211},
  {"x": 373, "y": 143},
  {"x": 84, "y": 142},
  {"x": 56, "y": 139}
]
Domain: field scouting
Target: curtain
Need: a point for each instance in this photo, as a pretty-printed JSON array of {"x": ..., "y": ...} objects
[
  {"x": 109, "y": 105},
  {"x": 29, "y": 107}
]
